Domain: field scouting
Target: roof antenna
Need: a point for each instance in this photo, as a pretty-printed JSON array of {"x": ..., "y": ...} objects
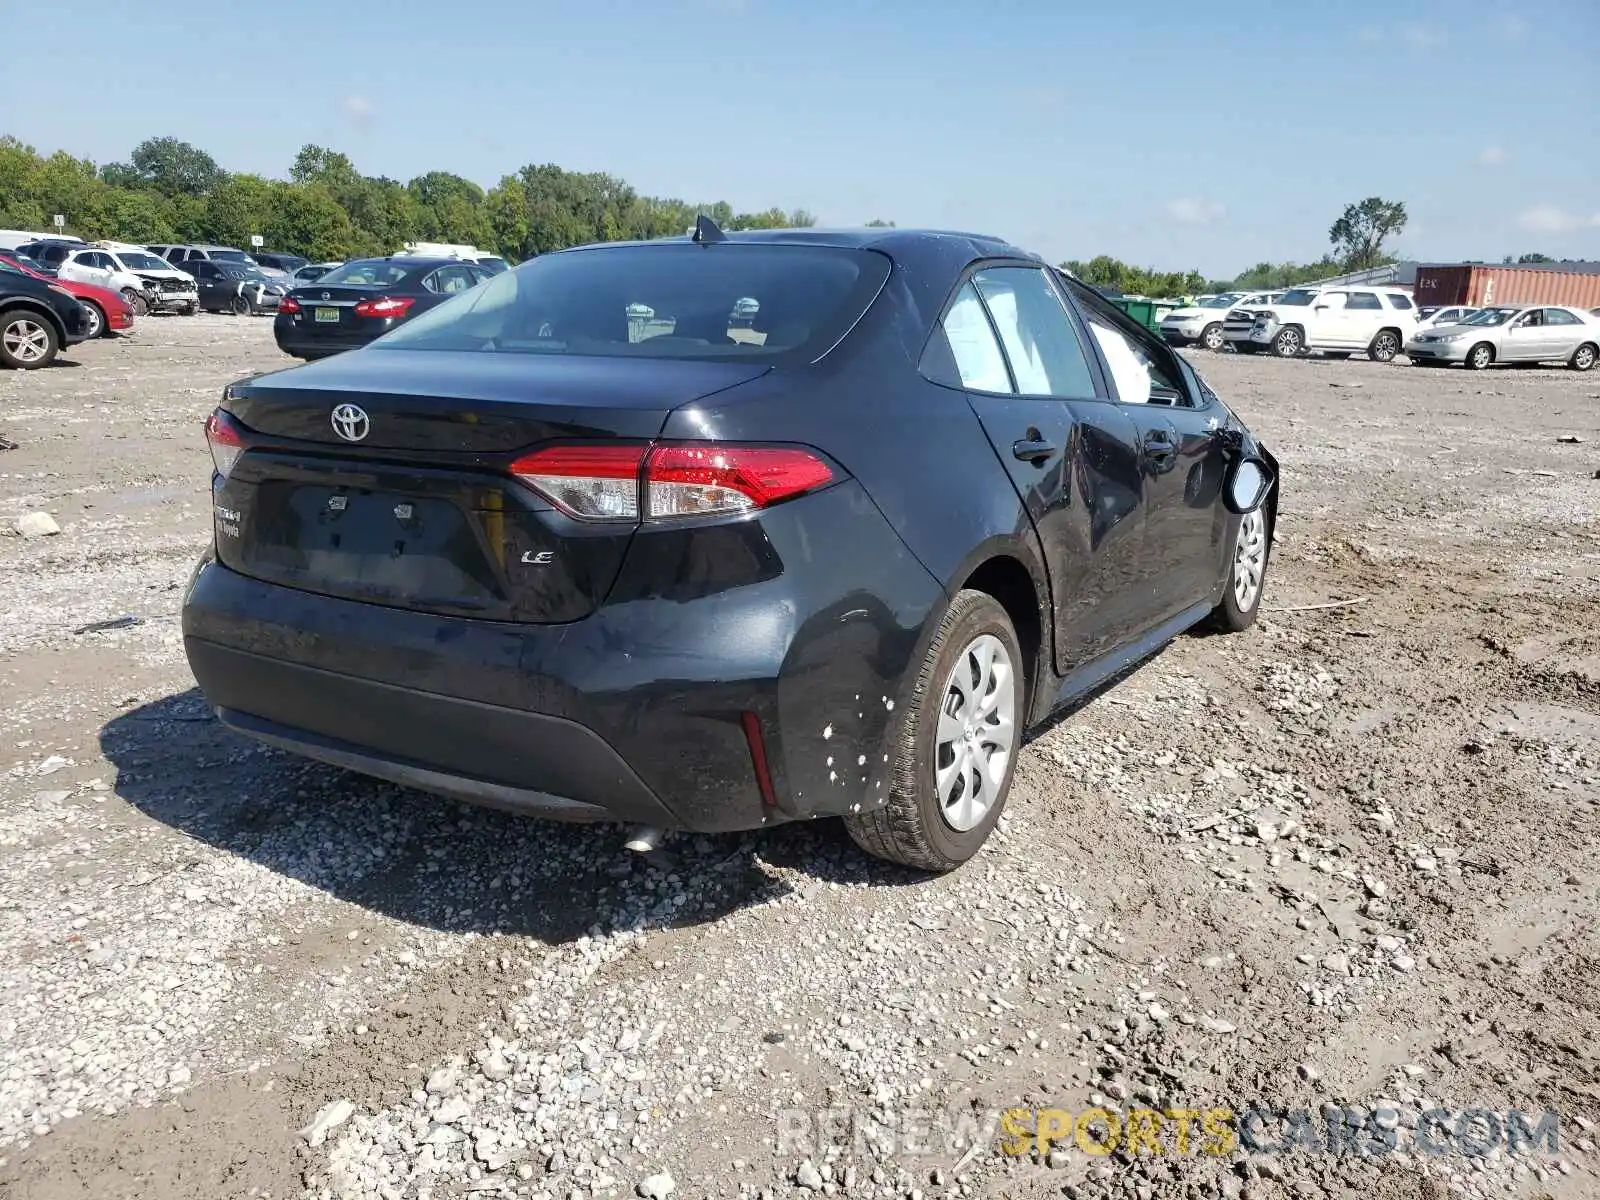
[{"x": 706, "y": 232}]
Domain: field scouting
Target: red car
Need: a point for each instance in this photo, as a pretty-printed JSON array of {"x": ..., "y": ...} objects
[{"x": 108, "y": 312}]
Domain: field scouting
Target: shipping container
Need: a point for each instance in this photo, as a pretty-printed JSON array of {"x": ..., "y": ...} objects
[{"x": 1481, "y": 284}]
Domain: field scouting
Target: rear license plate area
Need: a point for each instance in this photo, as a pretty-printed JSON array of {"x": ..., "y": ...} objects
[
  {"x": 371, "y": 544},
  {"x": 327, "y": 316}
]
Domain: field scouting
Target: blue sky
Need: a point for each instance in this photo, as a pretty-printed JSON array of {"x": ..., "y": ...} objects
[{"x": 1198, "y": 134}]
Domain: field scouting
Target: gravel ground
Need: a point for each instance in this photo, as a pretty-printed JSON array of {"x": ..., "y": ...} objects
[{"x": 1345, "y": 863}]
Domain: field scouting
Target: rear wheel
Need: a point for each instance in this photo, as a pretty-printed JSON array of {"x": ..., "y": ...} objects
[
  {"x": 94, "y": 320},
  {"x": 27, "y": 341},
  {"x": 1480, "y": 356},
  {"x": 1211, "y": 337},
  {"x": 239, "y": 306},
  {"x": 1583, "y": 358},
  {"x": 1384, "y": 347},
  {"x": 1247, "y": 577},
  {"x": 956, "y": 743},
  {"x": 1289, "y": 342},
  {"x": 136, "y": 301}
]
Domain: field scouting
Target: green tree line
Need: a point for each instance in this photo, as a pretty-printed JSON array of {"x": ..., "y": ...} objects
[{"x": 170, "y": 191}]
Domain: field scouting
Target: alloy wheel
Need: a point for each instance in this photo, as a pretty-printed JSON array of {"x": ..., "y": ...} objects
[
  {"x": 1385, "y": 347},
  {"x": 1480, "y": 357},
  {"x": 1288, "y": 343},
  {"x": 1584, "y": 358},
  {"x": 1249, "y": 559},
  {"x": 1212, "y": 338},
  {"x": 977, "y": 733},
  {"x": 26, "y": 341},
  {"x": 93, "y": 325}
]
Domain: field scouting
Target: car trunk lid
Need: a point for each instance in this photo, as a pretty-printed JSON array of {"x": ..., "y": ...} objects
[{"x": 384, "y": 476}]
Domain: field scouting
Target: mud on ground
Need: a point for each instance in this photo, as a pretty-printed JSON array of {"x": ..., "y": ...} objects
[{"x": 1346, "y": 859}]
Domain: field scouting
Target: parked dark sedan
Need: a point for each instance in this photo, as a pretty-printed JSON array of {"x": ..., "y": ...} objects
[
  {"x": 577, "y": 544},
  {"x": 37, "y": 318},
  {"x": 234, "y": 287},
  {"x": 365, "y": 298}
]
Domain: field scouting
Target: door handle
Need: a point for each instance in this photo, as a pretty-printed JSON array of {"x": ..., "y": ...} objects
[
  {"x": 1160, "y": 446},
  {"x": 1032, "y": 450}
]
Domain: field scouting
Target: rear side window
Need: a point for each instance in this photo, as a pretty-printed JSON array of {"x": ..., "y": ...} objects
[
  {"x": 676, "y": 300},
  {"x": 1045, "y": 355},
  {"x": 979, "y": 362},
  {"x": 1364, "y": 300},
  {"x": 1401, "y": 302}
]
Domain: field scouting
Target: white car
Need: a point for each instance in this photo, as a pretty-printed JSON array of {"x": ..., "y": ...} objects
[
  {"x": 1336, "y": 321},
  {"x": 1453, "y": 315},
  {"x": 147, "y": 283},
  {"x": 1203, "y": 320}
]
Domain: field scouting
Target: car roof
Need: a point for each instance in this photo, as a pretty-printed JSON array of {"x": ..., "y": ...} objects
[{"x": 894, "y": 242}]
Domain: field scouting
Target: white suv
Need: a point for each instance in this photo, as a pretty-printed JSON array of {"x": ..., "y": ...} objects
[
  {"x": 147, "y": 283},
  {"x": 1202, "y": 321},
  {"x": 1338, "y": 321}
]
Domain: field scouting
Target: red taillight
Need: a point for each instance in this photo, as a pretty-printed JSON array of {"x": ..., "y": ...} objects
[
  {"x": 597, "y": 483},
  {"x": 681, "y": 479},
  {"x": 288, "y": 305},
  {"x": 386, "y": 306},
  {"x": 226, "y": 443},
  {"x": 694, "y": 480}
]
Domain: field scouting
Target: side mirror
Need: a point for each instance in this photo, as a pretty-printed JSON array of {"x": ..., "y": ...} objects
[{"x": 1247, "y": 485}]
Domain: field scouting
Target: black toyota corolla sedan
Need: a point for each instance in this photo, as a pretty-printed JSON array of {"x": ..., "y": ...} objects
[
  {"x": 362, "y": 300},
  {"x": 723, "y": 531}
]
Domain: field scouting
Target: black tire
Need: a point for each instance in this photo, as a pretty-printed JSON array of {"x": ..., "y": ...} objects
[
  {"x": 1583, "y": 358},
  {"x": 239, "y": 306},
  {"x": 1480, "y": 356},
  {"x": 20, "y": 321},
  {"x": 910, "y": 829},
  {"x": 1384, "y": 347},
  {"x": 1229, "y": 616},
  {"x": 96, "y": 318},
  {"x": 1211, "y": 337},
  {"x": 136, "y": 301},
  {"x": 1289, "y": 342}
]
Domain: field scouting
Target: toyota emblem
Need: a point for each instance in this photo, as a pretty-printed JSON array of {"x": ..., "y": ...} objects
[{"x": 350, "y": 421}]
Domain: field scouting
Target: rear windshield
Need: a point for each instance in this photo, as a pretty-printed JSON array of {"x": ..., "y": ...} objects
[
  {"x": 371, "y": 272},
  {"x": 234, "y": 256},
  {"x": 666, "y": 301}
]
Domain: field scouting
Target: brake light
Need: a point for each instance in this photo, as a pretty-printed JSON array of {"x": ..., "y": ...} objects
[
  {"x": 679, "y": 479},
  {"x": 687, "y": 480},
  {"x": 596, "y": 483},
  {"x": 226, "y": 443},
  {"x": 386, "y": 306},
  {"x": 288, "y": 305}
]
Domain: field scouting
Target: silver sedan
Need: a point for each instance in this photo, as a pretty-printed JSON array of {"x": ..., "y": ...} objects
[{"x": 1522, "y": 333}]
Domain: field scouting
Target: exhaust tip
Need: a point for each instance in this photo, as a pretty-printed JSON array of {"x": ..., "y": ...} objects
[{"x": 642, "y": 839}]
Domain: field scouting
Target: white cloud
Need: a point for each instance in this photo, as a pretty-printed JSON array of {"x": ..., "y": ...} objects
[
  {"x": 1547, "y": 218},
  {"x": 1492, "y": 156},
  {"x": 359, "y": 109},
  {"x": 1191, "y": 210}
]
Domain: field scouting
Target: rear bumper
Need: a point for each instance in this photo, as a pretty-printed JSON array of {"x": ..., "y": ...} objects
[
  {"x": 291, "y": 341},
  {"x": 481, "y": 753},
  {"x": 636, "y": 713}
]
